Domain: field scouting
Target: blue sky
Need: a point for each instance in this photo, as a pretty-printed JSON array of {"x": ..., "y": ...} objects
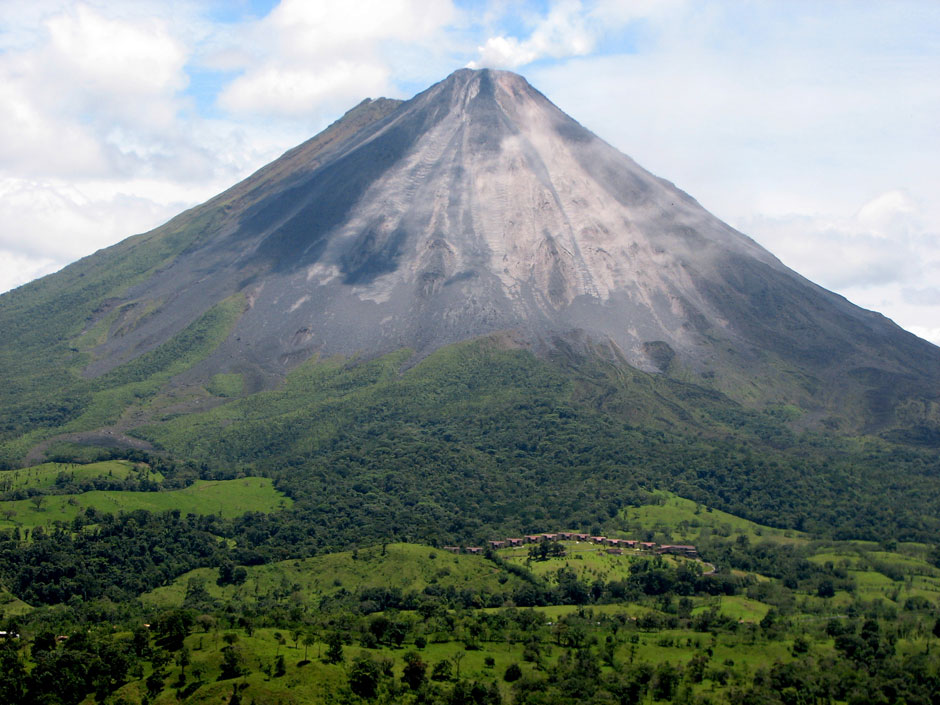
[{"x": 810, "y": 126}]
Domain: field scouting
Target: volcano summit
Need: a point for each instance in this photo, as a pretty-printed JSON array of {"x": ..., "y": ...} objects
[{"x": 479, "y": 208}]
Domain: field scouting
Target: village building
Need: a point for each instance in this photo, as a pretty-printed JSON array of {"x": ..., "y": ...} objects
[{"x": 679, "y": 550}]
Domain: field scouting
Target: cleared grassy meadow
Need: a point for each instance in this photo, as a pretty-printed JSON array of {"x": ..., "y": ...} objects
[
  {"x": 45, "y": 475},
  {"x": 228, "y": 498}
]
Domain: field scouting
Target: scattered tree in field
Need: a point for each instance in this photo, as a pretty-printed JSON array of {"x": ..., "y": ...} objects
[{"x": 334, "y": 650}]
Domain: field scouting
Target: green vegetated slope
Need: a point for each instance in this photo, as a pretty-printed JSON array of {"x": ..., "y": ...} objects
[
  {"x": 225, "y": 498},
  {"x": 479, "y": 438},
  {"x": 408, "y": 623},
  {"x": 781, "y": 618},
  {"x": 393, "y": 568},
  {"x": 53, "y": 327},
  {"x": 64, "y": 401},
  {"x": 42, "y": 385},
  {"x": 48, "y": 475},
  {"x": 11, "y": 605},
  {"x": 672, "y": 519}
]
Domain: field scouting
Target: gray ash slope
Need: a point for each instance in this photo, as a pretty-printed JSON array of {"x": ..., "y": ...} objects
[{"x": 479, "y": 207}]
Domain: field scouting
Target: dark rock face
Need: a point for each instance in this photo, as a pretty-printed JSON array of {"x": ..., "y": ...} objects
[{"x": 477, "y": 207}]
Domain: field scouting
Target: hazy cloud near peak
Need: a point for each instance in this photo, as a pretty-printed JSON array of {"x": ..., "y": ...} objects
[
  {"x": 562, "y": 32},
  {"x": 305, "y": 55}
]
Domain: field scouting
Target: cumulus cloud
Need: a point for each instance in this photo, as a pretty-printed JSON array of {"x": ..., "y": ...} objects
[
  {"x": 308, "y": 56},
  {"x": 287, "y": 90},
  {"x": 563, "y": 32},
  {"x": 884, "y": 242},
  {"x": 17, "y": 269},
  {"x": 93, "y": 146},
  {"x": 882, "y": 257},
  {"x": 52, "y": 224}
]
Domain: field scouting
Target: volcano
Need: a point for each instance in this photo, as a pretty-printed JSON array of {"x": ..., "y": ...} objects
[{"x": 478, "y": 208}]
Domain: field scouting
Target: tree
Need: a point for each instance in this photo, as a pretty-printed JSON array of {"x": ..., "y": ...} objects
[
  {"x": 12, "y": 676},
  {"x": 334, "y": 648},
  {"x": 172, "y": 627},
  {"x": 457, "y": 658},
  {"x": 364, "y": 677},
  {"x": 183, "y": 660},
  {"x": 233, "y": 663},
  {"x": 513, "y": 673},
  {"x": 414, "y": 670},
  {"x": 309, "y": 639},
  {"x": 442, "y": 671}
]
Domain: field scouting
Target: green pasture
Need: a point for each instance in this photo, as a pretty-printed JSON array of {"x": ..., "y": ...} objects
[
  {"x": 738, "y": 607},
  {"x": 228, "y": 498},
  {"x": 681, "y": 520},
  {"x": 403, "y": 566},
  {"x": 10, "y": 605},
  {"x": 44, "y": 476},
  {"x": 587, "y": 560},
  {"x": 309, "y": 679}
]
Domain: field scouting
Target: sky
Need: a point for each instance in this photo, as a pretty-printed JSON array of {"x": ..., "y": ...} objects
[{"x": 813, "y": 127}]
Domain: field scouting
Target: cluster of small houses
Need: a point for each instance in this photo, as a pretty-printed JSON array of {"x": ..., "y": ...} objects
[{"x": 614, "y": 546}]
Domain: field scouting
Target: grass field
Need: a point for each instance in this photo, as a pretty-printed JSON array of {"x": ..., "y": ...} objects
[
  {"x": 679, "y": 520},
  {"x": 44, "y": 476},
  {"x": 308, "y": 679},
  {"x": 10, "y": 605},
  {"x": 587, "y": 560},
  {"x": 229, "y": 498},
  {"x": 737, "y": 607},
  {"x": 404, "y": 567}
]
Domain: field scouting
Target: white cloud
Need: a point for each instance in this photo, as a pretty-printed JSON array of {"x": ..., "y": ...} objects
[
  {"x": 293, "y": 91},
  {"x": 51, "y": 222},
  {"x": 305, "y": 57},
  {"x": 847, "y": 252},
  {"x": 109, "y": 70},
  {"x": 93, "y": 145},
  {"x": 882, "y": 257},
  {"x": 563, "y": 32},
  {"x": 17, "y": 269}
]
